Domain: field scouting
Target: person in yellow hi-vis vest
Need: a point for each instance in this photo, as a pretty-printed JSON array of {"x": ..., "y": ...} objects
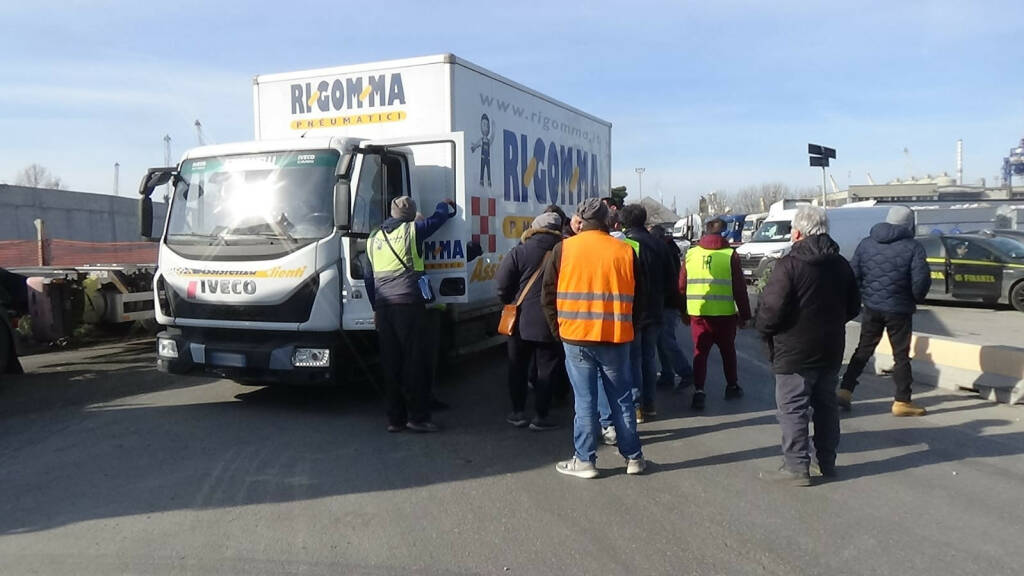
[
  {"x": 716, "y": 304},
  {"x": 392, "y": 281}
]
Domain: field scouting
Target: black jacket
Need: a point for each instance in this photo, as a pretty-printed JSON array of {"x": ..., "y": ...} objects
[
  {"x": 658, "y": 273},
  {"x": 810, "y": 296},
  {"x": 891, "y": 269},
  {"x": 514, "y": 273}
]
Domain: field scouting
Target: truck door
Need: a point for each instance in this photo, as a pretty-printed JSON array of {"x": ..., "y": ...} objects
[
  {"x": 432, "y": 170},
  {"x": 975, "y": 271}
]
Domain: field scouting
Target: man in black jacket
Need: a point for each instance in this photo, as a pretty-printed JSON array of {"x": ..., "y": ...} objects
[
  {"x": 531, "y": 339},
  {"x": 659, "y": 282},
  {"x": 810, "y": 296},
  {"x": 893, "y": 273}
]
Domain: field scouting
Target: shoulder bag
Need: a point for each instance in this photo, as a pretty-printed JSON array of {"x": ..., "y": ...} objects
[
  {"x": 426, "y": 289},
  {"x": 510, "y": 313}
]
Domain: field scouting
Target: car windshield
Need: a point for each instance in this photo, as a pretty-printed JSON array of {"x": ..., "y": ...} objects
[
  {"x": 1009, "y": 247},
  {"x": 773, "y": 231},
  {"x": 254, "y": 199}
]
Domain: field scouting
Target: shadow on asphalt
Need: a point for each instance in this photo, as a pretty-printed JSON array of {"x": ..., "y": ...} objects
[
  {"x": 227, "y": 446},
  {"x": 96, "y": 378}
]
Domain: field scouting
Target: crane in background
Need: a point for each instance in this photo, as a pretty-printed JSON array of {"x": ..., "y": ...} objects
[{"x": 200, "y": 137}]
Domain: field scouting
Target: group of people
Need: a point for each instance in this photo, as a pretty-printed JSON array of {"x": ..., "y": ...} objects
[{"x": 599, "y": 298}]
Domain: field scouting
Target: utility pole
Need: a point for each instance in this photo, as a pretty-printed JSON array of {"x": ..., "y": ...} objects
[
  {"x": 117, "y": 178},
  {"x": 640, "y": 181},
  {"x": 199, "y": 133},
  {"x": 167, "y": 162},
  {"x": 819, "y": 157}
]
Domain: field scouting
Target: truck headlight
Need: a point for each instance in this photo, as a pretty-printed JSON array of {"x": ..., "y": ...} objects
[
  {"x": 311, "y": 358},
  {"x": 166, "y": 348}
]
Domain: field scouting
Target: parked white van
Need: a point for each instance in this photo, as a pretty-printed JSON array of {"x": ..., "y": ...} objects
[{"x": 848, "y": 225}]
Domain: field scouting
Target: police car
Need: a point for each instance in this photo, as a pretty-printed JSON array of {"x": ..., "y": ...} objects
[{"x": 981, "y": 267}]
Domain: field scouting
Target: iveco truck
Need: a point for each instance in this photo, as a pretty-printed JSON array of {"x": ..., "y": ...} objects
[{"x": 260, "y": 269}]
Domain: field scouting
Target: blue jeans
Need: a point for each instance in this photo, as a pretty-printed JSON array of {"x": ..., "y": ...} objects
[
  {"x": 670, "y": 354},
  {"x": 643, "y": 355},
  {"x": 602, "y": 367}
]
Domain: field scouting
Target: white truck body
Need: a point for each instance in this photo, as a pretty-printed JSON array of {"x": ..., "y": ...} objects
[
  {"x": 848, "y": 225},
  {"x": 441, "y": 128}
]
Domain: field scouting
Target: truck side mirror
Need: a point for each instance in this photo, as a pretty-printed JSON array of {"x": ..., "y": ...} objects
[
  {"x": 343, "y": 204},
  {"x": 343, "y": 194},
  {"x": 146, "y": 217},
  {"x": 154, "y": 178}
]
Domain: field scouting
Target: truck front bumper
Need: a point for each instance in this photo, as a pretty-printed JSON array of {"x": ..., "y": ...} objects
[{"x": 251, "y": 356}]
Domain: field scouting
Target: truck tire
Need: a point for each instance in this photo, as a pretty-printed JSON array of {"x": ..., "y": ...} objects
[{"x": 1017, "y": 296}]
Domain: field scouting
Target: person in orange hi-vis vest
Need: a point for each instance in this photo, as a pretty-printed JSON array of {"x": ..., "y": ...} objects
[{"x": 591, "y": 298}]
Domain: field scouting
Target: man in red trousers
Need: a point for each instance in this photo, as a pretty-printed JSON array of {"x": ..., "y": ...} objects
[{"x": 716, "y": 305}]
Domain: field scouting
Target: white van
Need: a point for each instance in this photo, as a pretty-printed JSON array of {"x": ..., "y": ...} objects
[
  {"x": 848, "y": 225},
  {"x": 751, "y": 224}
]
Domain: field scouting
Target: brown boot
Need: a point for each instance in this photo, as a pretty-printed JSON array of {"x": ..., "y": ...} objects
[{"x": 907, "y": 409}]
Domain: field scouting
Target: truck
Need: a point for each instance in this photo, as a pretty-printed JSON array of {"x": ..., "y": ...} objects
[
  {"x": 848, "y": 225},
  {"x": 260, "y": 273}
]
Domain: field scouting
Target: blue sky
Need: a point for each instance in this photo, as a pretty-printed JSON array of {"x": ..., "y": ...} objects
[{"x": 703, "y": 95}]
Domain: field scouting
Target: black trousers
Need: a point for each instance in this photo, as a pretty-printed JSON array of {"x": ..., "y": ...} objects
[
  {"x": 400, "y": 328},
  {"x": 803, "y": 397},
  {"x": 900, "y": 328},
  {"x": 547, "y": 356}
]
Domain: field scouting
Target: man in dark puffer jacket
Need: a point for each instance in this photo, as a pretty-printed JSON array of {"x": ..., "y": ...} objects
[{"x": 893, "y": 274}]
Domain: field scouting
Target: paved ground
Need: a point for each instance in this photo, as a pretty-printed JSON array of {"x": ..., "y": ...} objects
[
  {"x": 969, "y": 322},
  {"x": 108, "y": 467}
]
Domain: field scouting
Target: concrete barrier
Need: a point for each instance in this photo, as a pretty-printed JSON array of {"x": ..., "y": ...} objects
[{"x": 995, "y": 372}]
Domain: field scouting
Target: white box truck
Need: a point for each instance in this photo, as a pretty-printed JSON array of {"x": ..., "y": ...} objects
[{"x": 260, "y": 272}]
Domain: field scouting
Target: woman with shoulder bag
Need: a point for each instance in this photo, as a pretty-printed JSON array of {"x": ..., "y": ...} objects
[{"x": 519, "y": 279}]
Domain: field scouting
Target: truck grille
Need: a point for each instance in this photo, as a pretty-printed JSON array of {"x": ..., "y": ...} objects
[
  {"x": 750, "y": 261},
  {"x": 297, "y": 308}
]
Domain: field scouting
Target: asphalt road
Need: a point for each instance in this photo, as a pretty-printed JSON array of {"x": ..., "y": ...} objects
[{"x": 109, "y": 467}]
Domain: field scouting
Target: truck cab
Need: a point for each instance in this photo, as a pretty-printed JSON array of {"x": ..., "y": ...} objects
[{"x": 261, "y": 256}]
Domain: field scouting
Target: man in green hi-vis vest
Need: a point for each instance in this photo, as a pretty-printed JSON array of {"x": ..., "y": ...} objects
[
  {"x": 395, "y": 253},
  {"x": 716, "y": 305}
]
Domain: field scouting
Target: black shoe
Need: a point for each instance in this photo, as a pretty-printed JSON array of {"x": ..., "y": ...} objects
[
  {"x": 733, "y": 391},
  {"x": 438, "y": 406},
  {"x": 827, "y": 470},
  {"x": 786, "y": 476},
  {"x": 422, "y": 427},
  {"x": 698, "y": 400},
  {"x": 392, "y": 428}
]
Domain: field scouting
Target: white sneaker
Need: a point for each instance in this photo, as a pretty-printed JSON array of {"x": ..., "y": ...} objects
[
  {"x": 609, "y": 436},
  {"x": 578, "y": 468},
  {"x": 636, "y": 465}
]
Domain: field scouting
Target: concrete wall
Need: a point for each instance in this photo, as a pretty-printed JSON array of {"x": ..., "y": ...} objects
[{"x": 72, "y": 215}]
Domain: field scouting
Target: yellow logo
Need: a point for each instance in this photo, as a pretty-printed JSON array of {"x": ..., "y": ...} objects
[
  {"x": 484, "y": 271},
  {"x": 514, "y": 226},
  {"x": 354, "y": 120}
]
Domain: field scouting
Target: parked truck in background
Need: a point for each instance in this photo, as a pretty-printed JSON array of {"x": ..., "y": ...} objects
[{"x": 259, "y": 272}]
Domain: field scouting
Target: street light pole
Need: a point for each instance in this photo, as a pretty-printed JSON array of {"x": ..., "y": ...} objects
[{"x": 640, "y": 181}]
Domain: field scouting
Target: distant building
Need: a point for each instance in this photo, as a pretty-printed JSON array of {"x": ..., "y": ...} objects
[{"x": 918, "y": 191}]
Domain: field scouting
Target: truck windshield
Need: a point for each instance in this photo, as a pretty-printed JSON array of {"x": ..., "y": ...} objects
[
  {"x": 252, "y": 199},
  {"x": 773, "y": 231}
]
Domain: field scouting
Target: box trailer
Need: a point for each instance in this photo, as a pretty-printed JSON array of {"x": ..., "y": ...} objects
[{"x": 260, "y": 257}]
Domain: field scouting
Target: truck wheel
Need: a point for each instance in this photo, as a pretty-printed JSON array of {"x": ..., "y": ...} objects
[{"x": 1017, "y": 296}]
